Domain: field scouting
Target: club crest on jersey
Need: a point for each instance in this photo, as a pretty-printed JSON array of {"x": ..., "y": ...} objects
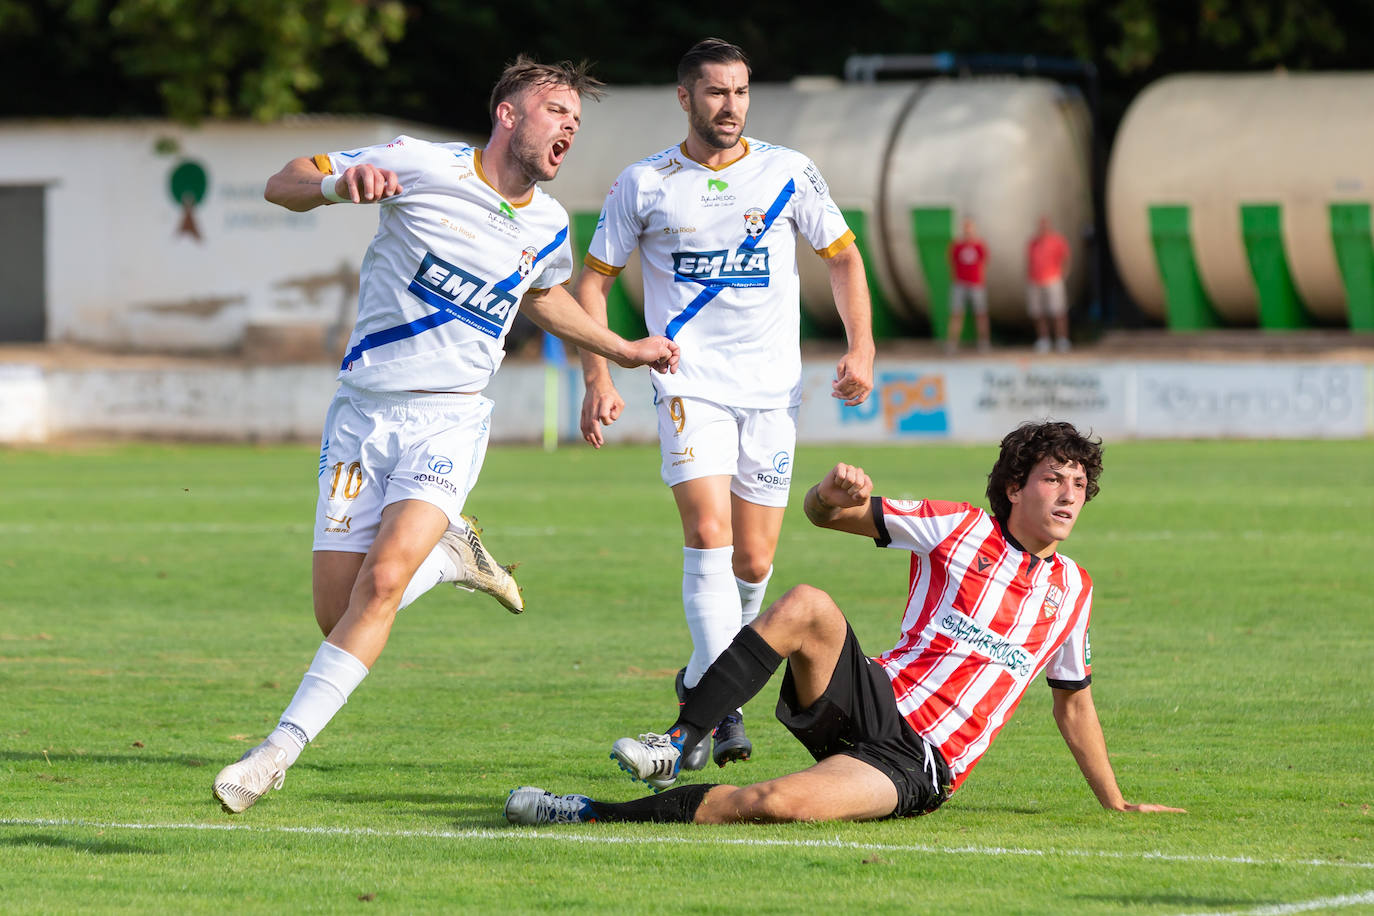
[
  {"x": 467, "y": 297},
  {"x": 527, "y": 258},
  {"x": 754, "y": 222},
  {"x": 1053, "y": 598},
  {"x": 742, "y": 267}
]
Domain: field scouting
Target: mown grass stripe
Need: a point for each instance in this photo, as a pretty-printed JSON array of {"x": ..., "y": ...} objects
[{"x": 562, "y": 835}]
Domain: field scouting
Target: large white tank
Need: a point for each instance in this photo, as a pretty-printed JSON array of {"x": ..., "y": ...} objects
[
  {"x": 1002, "y": 150},
  {"x": 1215, "y": 143},
  {"x": 1005, "y": 152}
]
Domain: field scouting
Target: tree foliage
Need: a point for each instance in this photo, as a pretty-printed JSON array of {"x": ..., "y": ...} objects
[{"x": 435, "y": 60}]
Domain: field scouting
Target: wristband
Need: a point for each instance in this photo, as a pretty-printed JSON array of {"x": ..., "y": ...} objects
[{"x": 329, "y": 188}]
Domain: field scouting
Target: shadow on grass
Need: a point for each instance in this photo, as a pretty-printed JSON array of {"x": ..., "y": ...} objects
[
  {"x": 96, "y": 847},
  {"x": 1190, "y": 902},
  {"x": 121, "y": 759}
]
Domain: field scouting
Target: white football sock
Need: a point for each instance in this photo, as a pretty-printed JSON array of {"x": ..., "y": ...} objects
[
  {"x": 711, "y": 604},
  {"x": 324, "y": 689},
  {"x": 438, "y": 567},
  {"x": 751, "y": 597}
]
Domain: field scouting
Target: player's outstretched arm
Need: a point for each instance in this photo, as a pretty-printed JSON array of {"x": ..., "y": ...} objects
[
  {"x": 841, "y": 501},
  {"x": 301, "y": 186},
  {"x": 1076, "y": 716},
  {"x": 601, "y": 404},
  {"x": 556, "y": 311},
  {"x": 849, "y": 283}
]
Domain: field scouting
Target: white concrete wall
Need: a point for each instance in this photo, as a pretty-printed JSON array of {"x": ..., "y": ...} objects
[
  {"x": 913, "y": 401},
  {"x": 123, "y": 272}
]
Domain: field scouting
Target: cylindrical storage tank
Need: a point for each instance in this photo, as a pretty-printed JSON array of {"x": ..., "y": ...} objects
[
  {"x": 1003, "y": 151},
  {"x": 845, "y": 129},
  {"x": 1211, "y": 147}
]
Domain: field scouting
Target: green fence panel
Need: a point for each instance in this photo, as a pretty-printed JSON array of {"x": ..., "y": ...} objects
[
  {"x": 1280, "y": 307},
  {"x": 621, "y": 314},
  {"x": 885, "y": 324},
  {"x": 1187, "y": 304},
  {"x": 933, "y": 229},
  {"x": 1350, "y": 235}
]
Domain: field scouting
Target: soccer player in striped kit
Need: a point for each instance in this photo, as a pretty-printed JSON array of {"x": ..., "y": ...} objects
[
  {"x": 991, "y": 604},
  {"x": 716, "y": 221}
]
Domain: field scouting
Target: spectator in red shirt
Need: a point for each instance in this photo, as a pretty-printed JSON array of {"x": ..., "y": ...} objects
[
  {"x": 968, "y": 256},
  {"x": 1047, "y": 261}
]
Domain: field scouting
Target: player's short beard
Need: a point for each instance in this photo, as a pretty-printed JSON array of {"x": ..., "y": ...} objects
[
  {"x": 707, "y": 131},
  {"x": 531, "y": 156}
]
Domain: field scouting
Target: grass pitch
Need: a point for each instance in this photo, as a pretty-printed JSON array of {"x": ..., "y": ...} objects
[{"x": 155, "y": 619}]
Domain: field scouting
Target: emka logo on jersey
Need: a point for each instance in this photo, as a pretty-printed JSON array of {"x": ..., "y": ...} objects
[
  {"x": 741, "y": 267},
  {"x": 465, "y": 296}
]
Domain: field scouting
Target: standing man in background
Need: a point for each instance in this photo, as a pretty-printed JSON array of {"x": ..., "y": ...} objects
[
  {"x": 464, "y": 239},
  {"x": 968, "y": 256},
  {"x": 715, "y": 219},
  {"x": 1047, "y": 261}
]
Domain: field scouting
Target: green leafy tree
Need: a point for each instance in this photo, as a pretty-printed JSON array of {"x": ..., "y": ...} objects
[{"x": 213, "y": 58}]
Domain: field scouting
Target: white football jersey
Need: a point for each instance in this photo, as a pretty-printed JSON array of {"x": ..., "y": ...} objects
[
  {"x": 443, "y": 277},
  {"x": 718, "y": 248}
]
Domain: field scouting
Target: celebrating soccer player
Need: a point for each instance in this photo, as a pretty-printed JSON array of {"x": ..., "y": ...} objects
[{"x": 464, "y": 238}]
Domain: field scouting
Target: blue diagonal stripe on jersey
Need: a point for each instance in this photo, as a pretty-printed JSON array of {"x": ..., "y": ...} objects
[
  {"x": 711, "y": 292},
  {"x": 420, "y": 325}
]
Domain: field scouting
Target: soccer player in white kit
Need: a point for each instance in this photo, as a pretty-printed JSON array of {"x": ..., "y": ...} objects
[
  {"x": 715, "y": 220},
  {"x": 464, "y": 238},
  {"x": 990, "y": 605}
]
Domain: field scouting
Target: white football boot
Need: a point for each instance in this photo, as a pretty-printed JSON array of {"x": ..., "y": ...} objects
[
  {"x": 479, "y": 572},
  {"x": 241, "y": 784},
  {"x": 653, "y": 759}
]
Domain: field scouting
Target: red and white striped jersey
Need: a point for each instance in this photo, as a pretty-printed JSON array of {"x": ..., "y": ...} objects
[{"x": 983, "y": 618}]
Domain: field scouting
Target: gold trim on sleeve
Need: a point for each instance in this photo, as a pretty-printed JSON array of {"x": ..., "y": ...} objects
[
  {"x": 601, "y": 266},
  {"x": 323, "y": 164},
  {"x": 835, "y": 247}
]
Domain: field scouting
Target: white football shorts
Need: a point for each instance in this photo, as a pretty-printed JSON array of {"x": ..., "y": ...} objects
[
  {"x": 751, "y": 446},
  {"x": 381, "y": 448}
]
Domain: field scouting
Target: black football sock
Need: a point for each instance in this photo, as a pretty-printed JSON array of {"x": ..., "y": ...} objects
[
  {"x": 675, "y": 806},
  {"x": 733, "y": 679}
]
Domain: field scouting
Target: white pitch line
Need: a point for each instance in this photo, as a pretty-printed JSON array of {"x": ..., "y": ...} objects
[
  {"x": 593, "y": 836},
  {"x": 1283, "y": 909}
]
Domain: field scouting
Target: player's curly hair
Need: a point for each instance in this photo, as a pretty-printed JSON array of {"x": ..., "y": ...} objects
[
  {"x": 1025, "y": 446},
  {"x": 708, "y": 51},
  {"x": 527, "y": 73}
]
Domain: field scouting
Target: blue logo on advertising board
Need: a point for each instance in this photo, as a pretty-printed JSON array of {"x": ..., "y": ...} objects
[{"x": 909, "y": 404}]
